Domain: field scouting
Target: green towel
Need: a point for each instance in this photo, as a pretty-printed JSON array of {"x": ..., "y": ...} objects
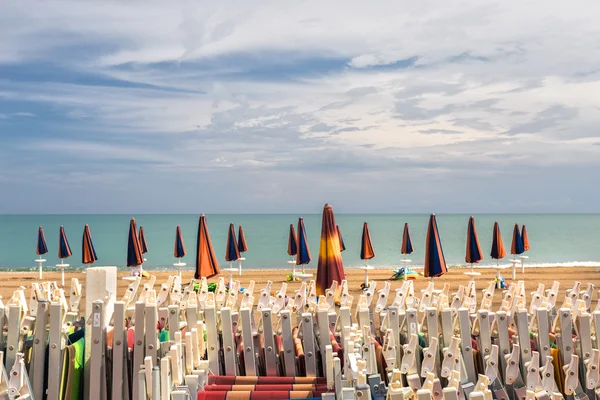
[
  {"x": 78, "y": 364},
  {"x": 164, "y": 336}
]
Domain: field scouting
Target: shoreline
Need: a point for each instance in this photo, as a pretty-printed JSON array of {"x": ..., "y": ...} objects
[{"x": 163, "y": 269}]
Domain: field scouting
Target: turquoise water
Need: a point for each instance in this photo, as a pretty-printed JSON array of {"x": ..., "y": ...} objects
[{"x": 554, "y": 238}]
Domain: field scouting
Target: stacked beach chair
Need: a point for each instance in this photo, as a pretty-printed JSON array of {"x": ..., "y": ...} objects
[{"x": 178, "y": 342}]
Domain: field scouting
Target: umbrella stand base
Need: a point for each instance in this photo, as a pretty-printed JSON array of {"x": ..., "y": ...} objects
[
  {"x": 303, "y": 277},
  {"x": 367, "y": 268},
  {"x": 62, "y": 272},
  {"x": 472, "y": 274}
]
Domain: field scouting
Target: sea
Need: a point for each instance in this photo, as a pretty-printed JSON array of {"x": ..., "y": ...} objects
[{"x": 556, "y": 239}]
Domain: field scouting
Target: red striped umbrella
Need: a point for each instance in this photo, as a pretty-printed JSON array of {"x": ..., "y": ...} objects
[
  {"x": 366, "y": 246},
  {"x": 242, "y": 245},
  {"x": 342, "y": 245},
  {"x": 292, "y": 242}
]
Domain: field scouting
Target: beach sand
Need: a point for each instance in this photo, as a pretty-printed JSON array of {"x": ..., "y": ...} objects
[{"x": 532, "y": 277}]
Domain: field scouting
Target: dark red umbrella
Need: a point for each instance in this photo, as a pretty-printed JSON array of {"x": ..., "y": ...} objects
[
  {"x": 366, "y": 246},
  {"x": 179, "y": 247},
  {"x": 134, "y": 248},
  {"x": 342, "y": 245},
  {"x": 292, "y": 242},
  {"x": 143, "y": 243},
  {"x": 242, "y": 245}
]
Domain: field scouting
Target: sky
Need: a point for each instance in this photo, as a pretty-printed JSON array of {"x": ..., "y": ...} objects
[{"x": 279, "y": 107}]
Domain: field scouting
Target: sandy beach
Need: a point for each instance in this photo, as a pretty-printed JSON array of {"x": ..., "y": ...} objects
[{"x": 455, "y": 277}]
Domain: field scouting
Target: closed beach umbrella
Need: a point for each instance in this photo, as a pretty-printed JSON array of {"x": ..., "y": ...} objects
[
  {"x": 474, "y": 254},
  {"x": 330, "y": 267},
  {"x": 64, "y": 250},
  {"x": 179, "y": 248},
  {"x": 407, "y": 247},
  {"x": 525, "y": 239},
  {"x": 516, "y": 246},
  {"x": 143, "y": 243},
  {"x": 88, "y": 253},
  {"x": 292, "y": 242},
  {"x": 41, "y": 243},
  {"x": 435, "y": 263},
  {"x": 366, "y": 246},
  {"x": 232, "y": 252},
  {"x": 134, "y": 247},
  {"x": 242, "y": 245},
  {"x": 342, "y": 245},
  {"x": 206, "y": 259},
  {"x": 498, "y": 252},
  {"x": 303, "y": 257}
]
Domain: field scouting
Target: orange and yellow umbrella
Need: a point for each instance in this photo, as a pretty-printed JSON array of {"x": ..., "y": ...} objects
[{"x": 330, "y": 267}]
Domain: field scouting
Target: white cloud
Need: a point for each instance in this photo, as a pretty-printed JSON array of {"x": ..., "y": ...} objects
[{"x": 434, "y": 89}]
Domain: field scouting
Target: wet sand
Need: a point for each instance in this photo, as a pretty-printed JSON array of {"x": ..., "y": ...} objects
[{"x": 567, "y": 276}]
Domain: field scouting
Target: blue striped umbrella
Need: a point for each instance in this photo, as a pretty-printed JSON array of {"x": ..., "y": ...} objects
[
  {"x": 498, "y": 252},
  {"x": 435, "y": 263},
  {"x": 179, "y": 248},
  {"x": 473, "y": 254},
  {"x": 143, "y": 243},
  {"x": 88, "y": 252},
  {"x": 64, "y": 250},
  {"x": 232, "y": 251},
  {"x": 303, "y": 257},
  {"x": 517, "y": 246},
  {"x": 134, "y": 248},
  {"x": 41, "y": 243},
  {"x": 407, "y": 247}
]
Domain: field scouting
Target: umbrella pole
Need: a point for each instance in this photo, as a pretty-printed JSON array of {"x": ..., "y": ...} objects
[
  {"x": 40, "y": 262},
  {"x": 230, "y": 274}
]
